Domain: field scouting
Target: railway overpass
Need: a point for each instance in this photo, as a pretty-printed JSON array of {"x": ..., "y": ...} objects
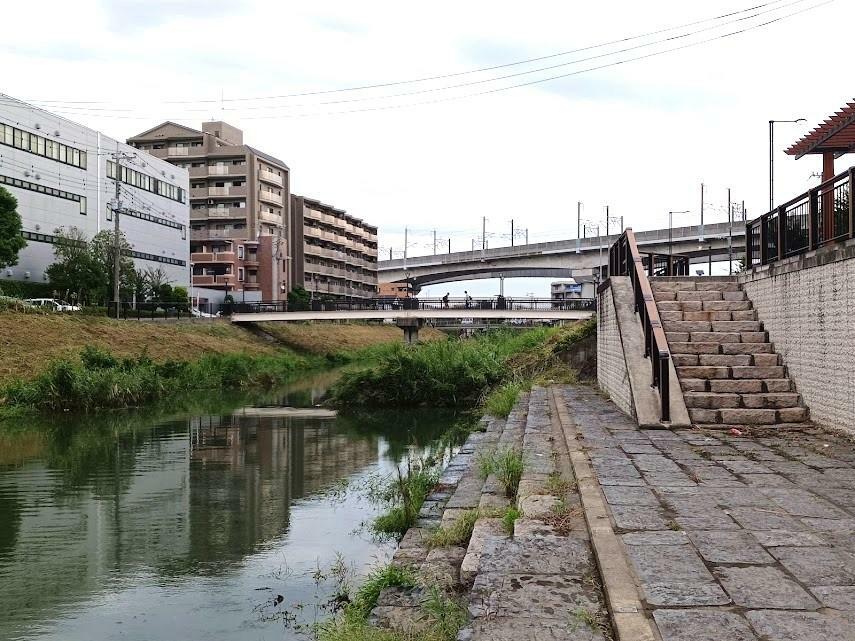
[{"x": 559, "y": 259}]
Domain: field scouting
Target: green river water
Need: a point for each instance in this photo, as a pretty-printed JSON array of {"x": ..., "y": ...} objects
[{"x": 176, "y": 526}]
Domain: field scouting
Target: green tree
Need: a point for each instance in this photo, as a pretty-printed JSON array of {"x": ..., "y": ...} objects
[
  {"x": 298, "y": 299},
  {"x": 11, "y": 241},
  {"x": 102, "y": 249},
  {"x": 76, "y": 274}
]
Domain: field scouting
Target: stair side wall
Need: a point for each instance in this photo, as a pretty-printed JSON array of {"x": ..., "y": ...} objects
[
  {"x": 807, "y": 305},
  {"x": 612, "y": 375}
]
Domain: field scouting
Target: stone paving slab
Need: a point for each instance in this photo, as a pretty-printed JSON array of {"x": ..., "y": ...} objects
[
  {"x": 767, "y": 525},
  {"x": 512, "y": 629}
]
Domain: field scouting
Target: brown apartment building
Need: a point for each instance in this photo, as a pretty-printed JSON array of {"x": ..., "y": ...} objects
[
  {"x": 239, "y": 208},
  {"x": 334, "y": 253}
]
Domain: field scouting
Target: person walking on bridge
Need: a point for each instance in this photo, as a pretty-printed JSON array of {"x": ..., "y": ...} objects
[
  {"x": 467, "y": 298},
  {"x": 445, "y": 301}
]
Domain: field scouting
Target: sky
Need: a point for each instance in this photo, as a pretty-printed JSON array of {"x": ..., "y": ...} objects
[{"x": 640, "y": 136}]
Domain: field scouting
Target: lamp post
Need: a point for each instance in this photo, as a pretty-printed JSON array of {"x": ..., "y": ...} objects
[
  {"x": 671, "y": 237},
  {"x": 772, "y": 158}
]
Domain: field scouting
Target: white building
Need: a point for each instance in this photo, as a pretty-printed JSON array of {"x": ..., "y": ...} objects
[
  {"x": 573, "y": 288},
  {"x": 62, "y": 174}
]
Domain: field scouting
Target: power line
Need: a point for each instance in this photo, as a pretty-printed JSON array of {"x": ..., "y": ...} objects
[{"x": 453, "y": 74}]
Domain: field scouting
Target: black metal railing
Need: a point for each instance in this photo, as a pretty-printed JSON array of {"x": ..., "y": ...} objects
[
  {"x": 462, "y": 306},
  {"x": 626, "y": 260},
  {"x": 820, "y": 216}
]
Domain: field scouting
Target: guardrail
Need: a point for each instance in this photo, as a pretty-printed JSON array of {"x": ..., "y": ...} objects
[
  {"x": 626, "y": 260},
  {"x": 820, "y": 216}
]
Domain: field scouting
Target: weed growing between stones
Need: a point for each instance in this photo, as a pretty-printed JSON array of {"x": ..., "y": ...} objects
[
  {"x": 509, "y": 518},
  {"x": 458, "y": 533},
  {"x": 403, "y": 494},
  {"x": 341, "y": 612},
  {"x": 501, "y": 400},
  {"x": 563, "y": 518},
  {"x": 507, "y": 465},
  {"x": 558, "y": 486}
]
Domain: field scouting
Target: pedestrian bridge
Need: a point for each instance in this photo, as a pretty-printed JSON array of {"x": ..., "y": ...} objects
[{"x": 410, "y": 314}]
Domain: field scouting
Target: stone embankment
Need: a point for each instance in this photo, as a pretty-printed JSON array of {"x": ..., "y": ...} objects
[{"x": 537, "y": 582}]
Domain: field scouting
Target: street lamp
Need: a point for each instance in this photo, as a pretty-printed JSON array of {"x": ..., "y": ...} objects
[
  {"x": 670, "y": 235},
  {"x": 772, "y": 158}
]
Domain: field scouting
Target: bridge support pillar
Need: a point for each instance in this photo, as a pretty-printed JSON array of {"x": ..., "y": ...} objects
[{"x": 411, "y": 327}]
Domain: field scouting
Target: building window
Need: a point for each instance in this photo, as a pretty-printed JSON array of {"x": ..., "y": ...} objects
[
  {"x": 240, "y": 252},
  {"x": 147, "y": 183},
  {"x": 240, "y": 274},
  {"x": 41, "y": 146},
  {"x": 47, "y": 191}
]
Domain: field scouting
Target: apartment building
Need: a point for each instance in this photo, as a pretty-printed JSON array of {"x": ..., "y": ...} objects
[
  {"x": 239, "y": 207},
  {"x": 573, "y": 288},
  {"x": 334, "y": 253},
  {"x": 63, "y": 175}
]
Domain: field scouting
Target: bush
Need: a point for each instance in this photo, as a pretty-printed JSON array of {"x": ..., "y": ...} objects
[
  {"x": 404, "y": 494},
  {"x": 502, "y": 399}
]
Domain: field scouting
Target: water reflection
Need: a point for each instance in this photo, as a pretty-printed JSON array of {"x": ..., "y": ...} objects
[{"x": 130, "y": 525}]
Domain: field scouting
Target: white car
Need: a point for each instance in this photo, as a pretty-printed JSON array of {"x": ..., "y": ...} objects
[
  {"x": 52, "y": 304},
  {"x": 198, "y": 313}
]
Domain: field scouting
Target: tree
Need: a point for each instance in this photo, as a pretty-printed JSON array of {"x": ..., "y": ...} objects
[
  {"x": 76, "y": 273},
  {"x": 154, "y": 278},
  {"x": 298, "y": 299},
  {"x": 102, "y": 249},
  {"x": 11, "y": 241}
]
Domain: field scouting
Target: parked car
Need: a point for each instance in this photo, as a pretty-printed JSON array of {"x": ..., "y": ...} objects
[
  {"x": 52, "y": 304},
  {"x": 198, "y": 313}
]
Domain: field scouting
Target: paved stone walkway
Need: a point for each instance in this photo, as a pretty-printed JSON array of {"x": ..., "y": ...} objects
[{"x": 731, "y": 538}]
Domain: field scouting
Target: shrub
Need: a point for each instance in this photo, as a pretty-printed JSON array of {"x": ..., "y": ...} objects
[
  {"x": 502, "y": 399},
  {"x": 404, "y": 494},
  {"x": 458, "y": 533}
]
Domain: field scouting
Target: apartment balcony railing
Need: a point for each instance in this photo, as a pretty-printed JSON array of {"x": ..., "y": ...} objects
[
  {"x": 212, "y": 257},
  {"x": 217, "y": 212},
  {"x": 216, "y": 234},
  {"x": 270, "y": 177},
  {"x": 270, "y": 218},
  {"x": 217, "y": 170},
  {"x": 820, "y": 216},
  {"x": 207, "y": 280},
  {"x": 270, "y": 197}
]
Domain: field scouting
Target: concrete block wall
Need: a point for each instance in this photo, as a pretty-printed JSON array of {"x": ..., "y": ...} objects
[
  {"x": 612, "y": 374},
  {"x": 807, "y": 305}
]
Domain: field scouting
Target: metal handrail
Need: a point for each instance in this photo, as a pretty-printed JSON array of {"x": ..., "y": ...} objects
[
  {"x": 820, "y": 216},
  {"x": 626, "y": 260}
]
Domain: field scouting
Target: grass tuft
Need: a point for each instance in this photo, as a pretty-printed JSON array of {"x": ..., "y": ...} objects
[{"x": 507, "y": 465}]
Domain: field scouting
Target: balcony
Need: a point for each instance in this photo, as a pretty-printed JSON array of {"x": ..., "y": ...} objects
[
  {"x": 217, "y": 170},
  {"x": 213, "y": 257},
  {"x": 270, "y": 197},
  {"x": 251, "y": 284},
  {"x": 217, "y": 212},
  {"x": 206, "y": 280},
  {"x": 270, "y": 218},
  {"x": 218, "y": 234},
  {"x": 251, "y": 260},
  {"x": 269, "y": 176},
  {"x": 213, "y": 192}
]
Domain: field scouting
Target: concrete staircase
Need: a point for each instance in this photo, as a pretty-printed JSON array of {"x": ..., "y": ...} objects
[{"x": 730, "y": 374}]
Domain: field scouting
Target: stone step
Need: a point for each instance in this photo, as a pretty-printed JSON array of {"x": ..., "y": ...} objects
[
  {"x": 794, "y": 427},
  {"x": 777, "y": 400},
  {"x": 714, "y": 337},
  {"x": 699, "y": 295},
  {"x": 754, "y": 337},
  {"x": 755, "y": 372},
  {"x": 694, "y": 348},
  {"x": 705, "y": 316},
  {"x": 736, "y": 326},
  {"x": 727, "y": 305},
  {"x": 737, "y": 386},
  {"x": 709, "y": 400},
  {"x": 734, "y": 295},
  {"x": 737, "y": 416},
  {"x": 687, "y": 326},
  {"x": 726, "y": 360},
  {"x": 746, "y": 348},
  {"x": 688, "y": 284},
  {"x": 703, "y": 372}
]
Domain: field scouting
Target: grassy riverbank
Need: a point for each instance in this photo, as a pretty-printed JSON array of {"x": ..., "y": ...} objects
[
  {"x": 491, "y": 368},
  {"x": 63, "y": 362}
]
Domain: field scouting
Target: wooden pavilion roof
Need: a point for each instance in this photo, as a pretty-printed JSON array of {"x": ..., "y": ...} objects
[{"x": 835, "y": 134}]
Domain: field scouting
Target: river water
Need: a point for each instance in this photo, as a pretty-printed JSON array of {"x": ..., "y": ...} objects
[{"x": 166, "y": 527}]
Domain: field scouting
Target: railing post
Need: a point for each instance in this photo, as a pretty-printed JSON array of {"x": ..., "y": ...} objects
[
  {"x": 764, "y": 249},
  {"x": 851, "y": 203},
  {"x": 664, "y": 386},
  {"x": 813, "y": 218},
  {"x": 782, "y": 232},
  {"x": 749, "y": 252}
]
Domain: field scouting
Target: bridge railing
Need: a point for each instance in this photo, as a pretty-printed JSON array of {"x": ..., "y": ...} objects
[
  {"x": 820, "y": 216},
  {"x": 626, "y": 260},
  {"x": 461, "y": 305}
]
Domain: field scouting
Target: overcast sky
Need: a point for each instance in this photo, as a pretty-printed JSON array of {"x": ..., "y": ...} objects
[{"x": 640, "y": 136}]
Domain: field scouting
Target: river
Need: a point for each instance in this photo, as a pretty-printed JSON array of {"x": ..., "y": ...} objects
[{"x": 164, "y": 526}]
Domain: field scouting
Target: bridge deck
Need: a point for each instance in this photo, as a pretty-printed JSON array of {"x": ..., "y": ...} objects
[{"x": 394, "y": 314}]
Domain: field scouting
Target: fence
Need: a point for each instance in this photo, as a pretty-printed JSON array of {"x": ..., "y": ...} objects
[{"x": 820, "y": 216}]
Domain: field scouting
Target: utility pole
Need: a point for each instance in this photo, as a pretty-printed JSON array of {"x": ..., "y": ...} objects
[
  {"x": 483, "y": 232},
  {"x": 434, "y": 242},
  {"x": 578, "y": 226},
  {"x": 607, "y": 221},
  {"x": 473, "y": 244},
  {"x": 449, "y": 245},
  {"x": 512, "y": 232},
  {"x": 117, "y": 245},
  {"x": 730, "y": 234},
  {"x": 526, "y": 235},
  {"x": 701, "y": 237}
]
